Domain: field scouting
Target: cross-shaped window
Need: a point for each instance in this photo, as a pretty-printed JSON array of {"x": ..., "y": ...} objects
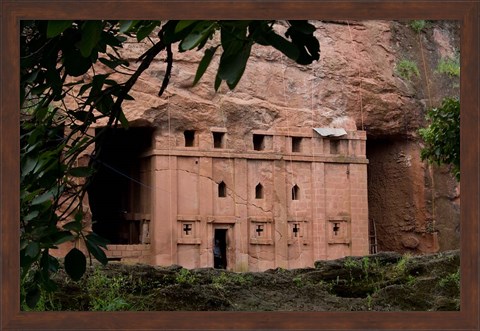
[
  {"x": 259, "y": 230},
  {"x": 296, "y": 229},
  {"x": 187, "y": 228},
  {"x": 336, "y": 228}
]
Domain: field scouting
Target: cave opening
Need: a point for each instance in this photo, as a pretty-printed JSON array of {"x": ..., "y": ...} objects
[{"x": 119, "y": 193}]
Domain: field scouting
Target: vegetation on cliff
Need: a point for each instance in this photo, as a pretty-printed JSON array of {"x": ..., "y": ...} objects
[{"x": 382, "y": 282}]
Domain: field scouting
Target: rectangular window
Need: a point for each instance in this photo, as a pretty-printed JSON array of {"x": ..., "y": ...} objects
[
  {"x": 258, "y": 142},
  {"x": 296, "y": 144},
  {"x": 218, "y": 139},
  {"x": 189, "y": 138},
  {"x": 334, "y": 146}
]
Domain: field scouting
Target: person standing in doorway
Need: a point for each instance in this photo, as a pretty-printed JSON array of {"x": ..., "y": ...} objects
[{"x": 217, "y": 255}]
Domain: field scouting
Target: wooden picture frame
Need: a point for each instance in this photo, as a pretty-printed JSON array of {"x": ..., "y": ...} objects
[{"x": 12, "y": 11}]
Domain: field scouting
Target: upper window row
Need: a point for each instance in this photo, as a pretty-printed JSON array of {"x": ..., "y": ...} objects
[{"x": 260, "y": 141}]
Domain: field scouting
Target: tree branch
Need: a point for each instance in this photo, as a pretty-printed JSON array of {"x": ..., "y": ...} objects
[
  {"x": 166, "y": 78},
  {"x": 146, "y": 59}
]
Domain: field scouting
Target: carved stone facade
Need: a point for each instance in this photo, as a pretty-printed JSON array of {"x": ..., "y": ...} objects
[{"x": 288, "y": 198}]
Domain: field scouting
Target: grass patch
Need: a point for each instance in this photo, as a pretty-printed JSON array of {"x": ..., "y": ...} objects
[
  {"x": 407, "y": 69},
  {"x": 449, "y": 66},
  {"x": 228, "y": 279},
  {"x": 106, "y": 293}
]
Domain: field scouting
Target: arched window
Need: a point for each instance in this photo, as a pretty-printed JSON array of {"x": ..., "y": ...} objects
[
  {"x": 259, "y": 191},
  {"x": 295, "y": 192},
  {"x": 222, "y": 190}
]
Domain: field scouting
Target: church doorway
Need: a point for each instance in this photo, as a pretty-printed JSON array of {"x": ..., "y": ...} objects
[{"x": 220, "y": 249}]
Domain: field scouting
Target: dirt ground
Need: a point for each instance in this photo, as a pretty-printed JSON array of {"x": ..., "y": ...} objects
[{"x": 381, "y": 282}]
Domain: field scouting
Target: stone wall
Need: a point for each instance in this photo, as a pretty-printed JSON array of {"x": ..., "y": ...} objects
[{"x": 312, "y": 205}]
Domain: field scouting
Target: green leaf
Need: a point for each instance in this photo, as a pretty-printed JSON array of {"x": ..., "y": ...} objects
[
  {"x": 145, "y": 30},
  {"x": 96, "y": 239},
  {"x": 110, "y": 39},
  {"x": 25, "y": 261},
  {"x": 97, "y": 83},
  {"x": 23, "y": 243},
  {"x": 31, "y": 77},
  {"x": 303, "y": 26},
  {"x": 169, "y": 34},
  {"x": 75, "y": 264},
  {"x": 79, "y": 216},
  {"x": 232, "y": 67},
  {"x": 200, "y": 32},
  {"x": 33, "y": 249},
  {"x": 39, "y": 89},
  {"x": 84, "y": 88},
  {"x": 30, "y": 216},
  {"x": 125, "y": 26},
  {"x": 82, "y": 115},
  {"x": 32, "y": 297},
  {"x": 106, "y": 104},
  {"x": 232, "y": 40},
  {"x": 80, "y": 172},
  {"x": 283, "y": 45},
  {"x": 91, "y": 32},
  {"x": 28, "y": 166},
  {"x": 73, "y": 226},
  {"x": 123, "y": 120},
  {"x": 204, "y": 63},
  {"x": 183, "y": 24},
  {"x": 53, "y": 264},
  {"x": 62, "y": 237},
  {"x": 97, "y": 252},
  {"x": 112, "y": 64},
  {"x": 54, "y": 28},
  {"x": 75, "y": 64},
  {"x": 54, "y": 80},
  {"x": 307, "y": 44},
  {"x": 218, "y": 81},
  {"x": 47, "y": 196}
]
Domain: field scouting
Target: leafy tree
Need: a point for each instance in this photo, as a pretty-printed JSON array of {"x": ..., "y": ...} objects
[
  {"x": 55, "y": 55},
  {"x": 442, "y": 136}
]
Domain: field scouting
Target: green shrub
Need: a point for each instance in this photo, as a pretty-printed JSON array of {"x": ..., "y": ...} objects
[
  {"x": 184, "y": 276},
  {"x": 442, "y": 136},
  {"x": 401, "y": 265},
  {"x": 451, "y": 280},
  {"x": 407, "y": 69},
  {"x": 418, "y": 25},
  {"x": 449, "y": 66},
  {"x": 298, "y": 281}
]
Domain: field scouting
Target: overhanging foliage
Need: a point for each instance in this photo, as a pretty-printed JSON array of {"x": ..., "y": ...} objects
[{"x": 55, "y": 56}]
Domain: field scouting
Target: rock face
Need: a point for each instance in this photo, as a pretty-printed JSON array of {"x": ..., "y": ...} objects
[{"x": 355, "y": 85}]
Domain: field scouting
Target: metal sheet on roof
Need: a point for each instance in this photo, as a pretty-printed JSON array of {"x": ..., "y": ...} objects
[{"x": 331, "y": 132}]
